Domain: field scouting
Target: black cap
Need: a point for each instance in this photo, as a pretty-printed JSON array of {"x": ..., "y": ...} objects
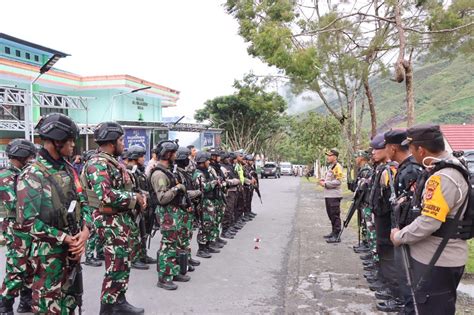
[
  {"x": 333, "y": 152},
  {"x": 378, "y": 142},
  {"x": 423, "y": 133},
  {"x": 396, "y": 136}
]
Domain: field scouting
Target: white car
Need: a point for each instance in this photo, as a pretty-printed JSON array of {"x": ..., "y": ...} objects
[{"x": 286, "y": 168}]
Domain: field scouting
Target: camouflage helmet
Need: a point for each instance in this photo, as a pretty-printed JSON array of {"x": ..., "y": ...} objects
[
  {"x": 182, "y": 154},
  {"x": 86, "y": 155},
  {"x": 20, "y": 148},
  {"x": 108, "y": 132},
  {"x": 57, "y": 126},
  {"x": 202, "y": 157}
]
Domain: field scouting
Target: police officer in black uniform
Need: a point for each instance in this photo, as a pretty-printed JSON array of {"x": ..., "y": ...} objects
[{"x": 404, "y": 184}]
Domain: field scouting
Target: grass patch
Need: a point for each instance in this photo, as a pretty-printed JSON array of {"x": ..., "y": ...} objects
[{"x": 470, "y": 260}]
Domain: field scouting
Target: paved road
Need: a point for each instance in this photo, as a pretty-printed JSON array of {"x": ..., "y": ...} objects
[{"x": 239, "y": 280}]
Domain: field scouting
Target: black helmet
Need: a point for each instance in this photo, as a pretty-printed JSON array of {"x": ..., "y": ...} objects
[
  {"x": 108, "y": 132},
  {"x": 57, "y": 126},
  {"x": 232, "y": 155},
  {"x": 135, "y": 151},
  {"x": 202, "y": 157},
  {"x": 225, "y": 155},
  {"x": 214, "y": 152},
  {"x": 164, "y": 147},
  {"x": 183, "y": 154},
  {"x": 124, "y": 155},
  {"x": 20, "y": 148}
]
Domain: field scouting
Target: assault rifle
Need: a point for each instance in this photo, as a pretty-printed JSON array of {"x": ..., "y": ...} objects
[
  {"x": 74, "y": 284},
  {"x": 356, "y": 201}
]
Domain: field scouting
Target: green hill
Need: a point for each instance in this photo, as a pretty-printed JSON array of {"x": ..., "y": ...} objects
[{"x": 444, "y": 93}]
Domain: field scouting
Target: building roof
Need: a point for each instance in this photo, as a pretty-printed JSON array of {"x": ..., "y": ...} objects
[
  {"x": 33, "y": 45},
  {"x": 459, "y": 137}
]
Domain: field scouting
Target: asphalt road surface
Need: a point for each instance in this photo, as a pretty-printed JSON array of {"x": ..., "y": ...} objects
[{"x": 239, "y": 280}]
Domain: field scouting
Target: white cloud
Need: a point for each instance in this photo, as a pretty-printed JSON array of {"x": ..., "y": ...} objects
[{"x": 192, "y": 46}]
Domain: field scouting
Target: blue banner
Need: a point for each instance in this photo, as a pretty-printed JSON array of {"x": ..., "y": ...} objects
[{"x": 139, "y": 137}]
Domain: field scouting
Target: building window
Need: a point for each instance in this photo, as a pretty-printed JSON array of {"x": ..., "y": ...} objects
[
  {"x": 37, "y": 58},
  {"x": 18, "y": 53},
  {"x": 7, "y": 50},
  {"x": 27, "y": 56}
]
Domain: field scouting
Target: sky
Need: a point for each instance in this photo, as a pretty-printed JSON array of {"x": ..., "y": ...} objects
[{"x": 192, "y": 46}]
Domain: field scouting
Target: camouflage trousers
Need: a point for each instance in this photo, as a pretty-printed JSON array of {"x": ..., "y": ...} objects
[
  {"x": 363, "y": 225},
  {"x": 93, "y": 244},
  {"x": 18, "y": 273},
  {"x": 208, "y": 218},
  {"x": 135, "y": 242},
  {"x": 114, "y": 232},
  {"x": 219, "y": 207},
  {"x": 49, "y": 278},
  {"x": 186, "y": 233},
  {"x": 175, "y": 223},
  {"x": 371, "y": 233}
]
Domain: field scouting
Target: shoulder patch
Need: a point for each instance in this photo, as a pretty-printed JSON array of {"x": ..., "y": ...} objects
[{"x": 434, "y": 203}]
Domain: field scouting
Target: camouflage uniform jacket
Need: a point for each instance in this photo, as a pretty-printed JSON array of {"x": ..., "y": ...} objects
[
  {"x": 108, "y": 181},
  {"x": 8, "y": 178},
  {"x": 34, "y": 193},
  {"x": 205, "y": 181}
]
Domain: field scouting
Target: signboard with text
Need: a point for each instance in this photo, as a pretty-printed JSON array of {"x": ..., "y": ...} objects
[{"x": 139, "y": 137}]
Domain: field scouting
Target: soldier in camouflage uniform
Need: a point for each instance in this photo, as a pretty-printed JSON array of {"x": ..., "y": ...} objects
[
  {"x": 47, "y": 190},
  {"x": 18, "y": 275},
  {"x": 239, "y": 164},
  {"x": 138, "y": 236},
  {"x": 219, "y": 198},
  {"x": 173, "y": 213},
  {"x": 207, "y": 183},
  {"x": 193, "y": 194},
  {"x": 361, "y": 183},
  {"x": 108, "y": 187},
  {"x": 93, "y": 245}
]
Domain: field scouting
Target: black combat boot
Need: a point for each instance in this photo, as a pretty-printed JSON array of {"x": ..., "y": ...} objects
[
  {"x": 366, "y": 256},
  {"x": 148, "y": 260},
  {"x": 100, "y": 256},
  {"x": 167, "y": 285},
  {"x": 220, "y": 240},
  {"x": 203, "y": 252},
  {"x": 390, "y": 306},
  {"x": 216, "y": 245},
  {"x": 191, "y": 268},
  {"x": 384, "y": 294},
  {"x": 92, "y": 262},
  {"x": 120, "y": 307},
  {"x": 377, "y": 286},
  {"x": 212, "y": 249},
  {"x": 227, "y": 235},
  {"x": 181, "y": 278},
  {"x": 139, "y": 265},
  {"x": 362, "y": 248},
  {"x": 6, "y": 306},
  {"x": 25, "y": 301},
  {"x": 334, "y": 239},
  {"x": 194, "y": 262},
  {"x": 253, "y": 214},
  {"x": 329, "y": 235}
]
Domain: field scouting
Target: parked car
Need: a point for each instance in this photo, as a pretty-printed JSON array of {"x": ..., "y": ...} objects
[
  {"x": 286, "y": 168},
  {"x": 270, "y": 169}
]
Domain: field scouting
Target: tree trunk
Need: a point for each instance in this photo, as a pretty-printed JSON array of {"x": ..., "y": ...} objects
[
  {"x": 371, "y": 102},
  {"x": 410, "y": 93}
]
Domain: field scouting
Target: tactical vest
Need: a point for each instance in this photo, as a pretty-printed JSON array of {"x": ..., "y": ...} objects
[
  {"x": 171, "y": 178},
  {"x": 92, "y": 198},
  {"x": 63, "y": 192},
  {"x": 457, "y": 227},
  {"x": 380, "y": 195}
]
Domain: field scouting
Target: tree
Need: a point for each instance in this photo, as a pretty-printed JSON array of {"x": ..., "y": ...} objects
[
  {"x": 334, "y": 47},
  {"x": 249, "y": 117}
]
